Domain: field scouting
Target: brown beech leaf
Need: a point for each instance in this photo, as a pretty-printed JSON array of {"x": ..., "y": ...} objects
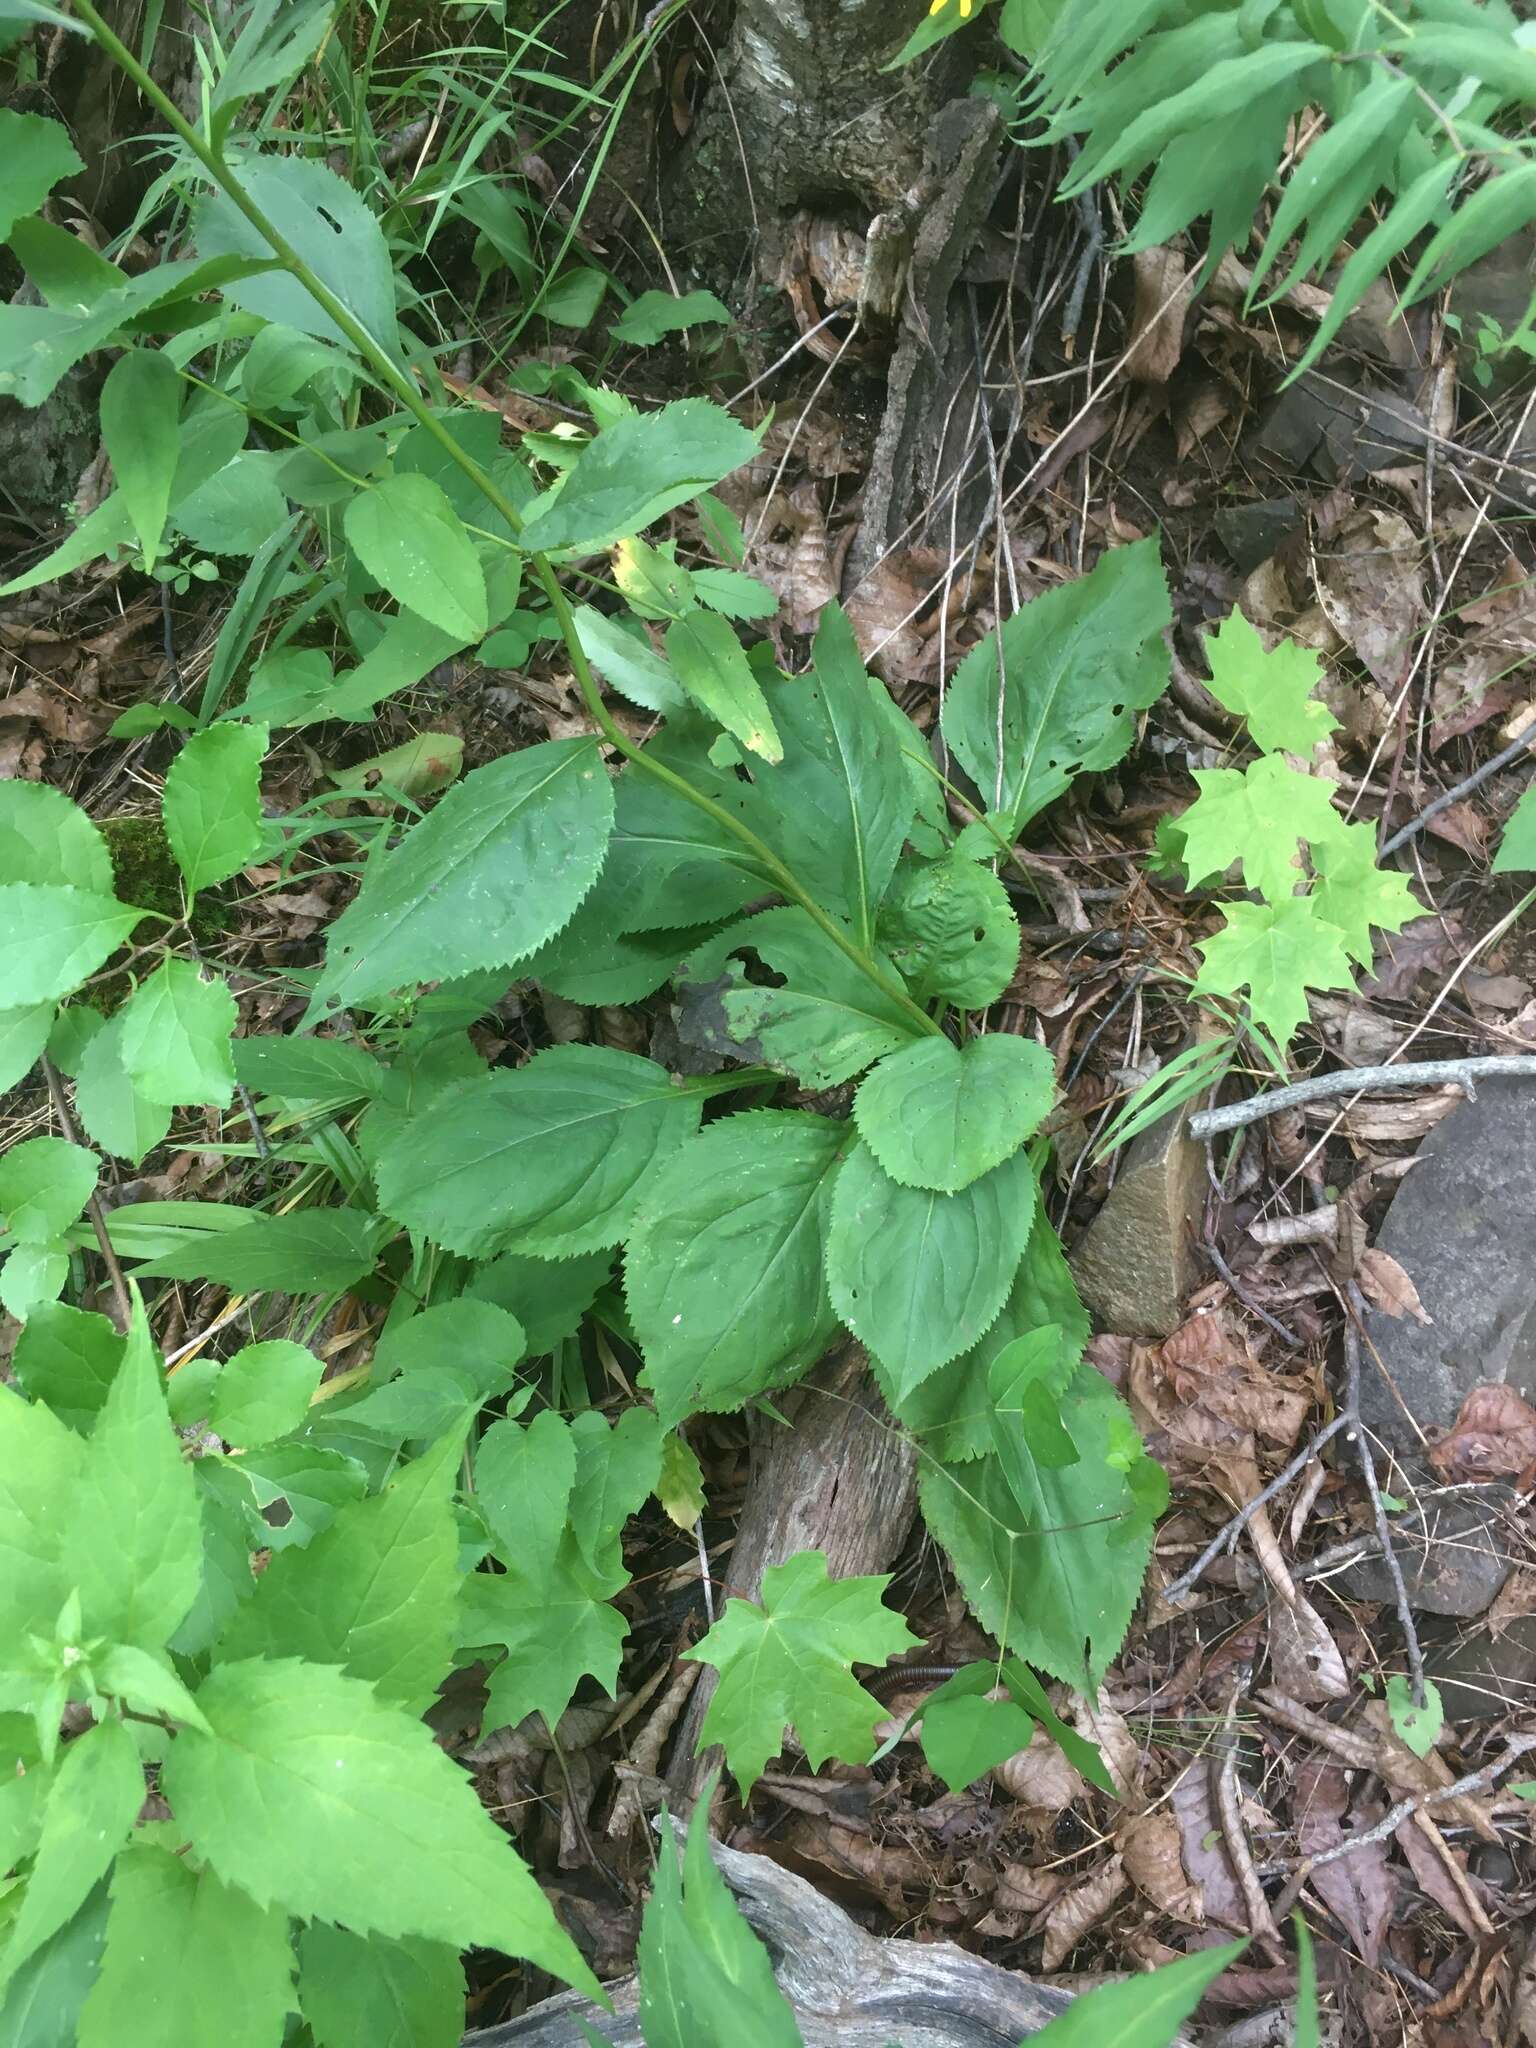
[
  {"x": 1427, "y": 1860},
  {"x": 1079, "y": 1909},
  {"x": 1493, "y": 1437},
  {"x": 1386, "y": 1286},
  {"x": 1371, "y": 585},
  {"x": 1204, "y": 1848},
  {"x": 1150, "y": 1843},
  {"x": 1162, "y": 296},
  {"x": 1040, "y": 1778},
  {"x": 1360, "y": 1888}
]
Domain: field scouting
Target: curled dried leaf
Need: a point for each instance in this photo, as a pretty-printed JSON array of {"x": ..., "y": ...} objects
[{"x": 1079, "y": 1909}]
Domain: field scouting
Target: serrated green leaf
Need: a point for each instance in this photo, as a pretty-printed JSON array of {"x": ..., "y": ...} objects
[
  {"x": 40, "y": 2007},
  {"x": 68, "y": 1359},
  {"x": 737, "y": 596},
  {"x": 708, "y": 662},
  {"x": 495, "y": 869},
  {"x": 36, "y": 154},
  {"x": 1050, "y": 1557},
  {"x": 1078, "y": 663},
  {"x": 389, "y": 1994},
  {"x": 213, "y": 803},
  {"x": 950, "y": 928},
  {"x": 145, "y": 1682},
  {"x": 950, "y": 1412},
  {"x": 1354, "y": 894},
  {"x": 374, "y": 1593},
  {"x": 632, "y": 472},
  {"x": 628, "y": 661},
  {"x": 1344, "y": 167},
  {"x": 788, "y": 1663},
  {"x": 180, "y": 1945},
  {"x": 140, "y": 413},
  {"x": 314, "y": 1484},
  {"x": 1259, "y": 816},
  {"x": 723, "y": 1272},
  {"x": 551, "y": 1158},
  {"x": 920, "y": 1276},
  {"x": 1409, "y": 215},
  {"x": 46, "y": 838},
  {"x": 306, "y": 1069},
  {"x": 24, "y": 1038},
  {"x": 44, "y": 1185},
  {"x": 115, "y": 1115},
  {"x": 706, "y": 1981},
  {"x": 1277, "y": 951},
  {"x": 93, "y": 1802},
  {"x": 1269, "y": 687},
  {"x": 176, "y": 1031},
  {"x": 1144, "y": 2011},
  {"x": 40, "y": 1460},
  {"x": 264, "y": 1391},
  {"x": 311, "y": 1250},
  {"x": 54, "y": 937},
  {"x": 964, "y": 1737},
  {"x": 821, "y": 1019},
  {"x": 412, "y": 543},
  {"x": 381, "y": 1831},
  {"x": 653, "y": 584},
  {"x": 940, "y": 1115},
  {"x": 654, "y": 315},
  {"x": 134, "y": 1547},
  {"x": 33, "y": 1277},
  {"x": 1517, "y": 847},
  {"x": 548, "y": 1297},
  {"x": 556, "y": 1629}
]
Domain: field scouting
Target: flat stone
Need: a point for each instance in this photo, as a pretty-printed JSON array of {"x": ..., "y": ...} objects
[
  {"x": 1375, "y": 430},
  {"x": 1482, "y": 1675},
  {"x": 1463, "y": 1227},
  {"x": 1454, "y": 1550},
  {"x": 1136, "y": 1262},
  {"x": 1251, "y": 533}
]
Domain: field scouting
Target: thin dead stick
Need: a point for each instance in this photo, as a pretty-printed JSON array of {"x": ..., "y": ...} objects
[
  {"x": 1228, "y": 1534},
  {"x": 1354, "y": 1318},
  {"x": 1465, "y": 1074},
  {"x": 1405, "y": 1809},
  {"x": 1476, "y": 780},
  {"x": 93, "y": 1208},
  {"x": 1229, "y": 1812}
]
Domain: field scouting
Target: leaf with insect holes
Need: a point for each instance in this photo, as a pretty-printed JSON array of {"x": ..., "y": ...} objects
[
  {"x": 213, "y": 803},
  {"x": 52, "y": 937},
  {"x": 1270, "y": 688},
  {"x": 632, "y": 472},
  {"x": 224, "y": 1947},
  {"x": 1277, "y": 951},
  {"x": 496, "y": 868},
  {"x": 723, "y": 1271},
  {"x": 46, "y": 838},
  {"x": 412, "y": 543},
  {"x": 1418, "y": 1726},
  {"x": 381, "y": 1831},
  {"x": 1078, "y": 663},
  {"x": 140, "y": 412},
  {"x": 44, "y": 1185},
  {"x": 708, "y": 660},
  {"x": 950, "y": 928},
  {"x": 551, "y": 1157},
  {"x": 1257, "y": 815},
  {"x": 177, "y": 1027},
  {"x": 704, "y": 1975},
  {"x": 919, "y": 1276},
  {"x": 789, "y": 1663},
  {"x": 940, "y": 1115},
  {"x": 820, "y": 1018}
]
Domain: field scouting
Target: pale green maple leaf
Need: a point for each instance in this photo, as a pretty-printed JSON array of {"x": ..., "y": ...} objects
[
  {"x": 787, "y": 1663},
  {"x": 1277, "y": 951},
  {"x": 1269, "y": 687},
  {"x": 1256, "y": 815},
  {"x": 1352, "y": 893}
]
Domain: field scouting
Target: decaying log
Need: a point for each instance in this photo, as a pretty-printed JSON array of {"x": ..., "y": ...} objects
[
  {"x": 839, "y": 1480},
  {"x": 849, "y": 1989}
]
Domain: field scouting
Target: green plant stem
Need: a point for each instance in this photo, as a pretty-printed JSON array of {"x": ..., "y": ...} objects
[{"x": 405, "y": 391}]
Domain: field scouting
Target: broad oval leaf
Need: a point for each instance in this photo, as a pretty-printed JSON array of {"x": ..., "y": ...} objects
[
  {"x": 919, "y": 1276},
  {"x": 176, "y": 1035},
  {"x": 52, "y": 937},
  {"x": 264, "y": 1391},
  {"x": 550, "y": 1159},
  {"x": 951, "y": 930},
  {"x": 708, "y": 661},
  {"x": 115, "y": 1115},
  {"x": 939, "y": 1115},
  {"x": 640, "y": 467},
  {"x": 413, "y": 544},
  {"x": 498, "y": 867},
  {"x": 213, "y": 803},
  {"x": 46, "y": 838},
  {"x": 723, "y": 1272},
  {"x": 140, "y": 410},
  {"x": 44, "y": 1184}
]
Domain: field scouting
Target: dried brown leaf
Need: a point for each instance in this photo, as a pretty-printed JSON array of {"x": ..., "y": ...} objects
[
  {"x": 1162, "y": 294},
  {"x": 1371, "y": 586},
  {"x": 1150, "y": 1843},
  {"x": 1079, "y": 1909},
  {"x": 1493, "y": 1437},
  {"x": 1360, "y": 1888},
  {"x": 1204, "y": 1851},
  {"x": 1040, "y": 1778},
  {"x": 1387, "y": 1286}
]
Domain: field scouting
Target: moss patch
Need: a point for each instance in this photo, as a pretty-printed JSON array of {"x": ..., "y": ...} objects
[{"x": 144, "y": 873}]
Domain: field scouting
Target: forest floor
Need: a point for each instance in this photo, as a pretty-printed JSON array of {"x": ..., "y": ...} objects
[{"x": 1372, "y": 512}]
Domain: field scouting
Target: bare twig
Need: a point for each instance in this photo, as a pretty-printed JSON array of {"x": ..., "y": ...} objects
[
  {"x": 1228, "y": 1534},
  {"x": 1228, "y": 1801},
  {"x": 120, "y": 1295},
  {"x": 1464, "y": 1074},
  {"x": 1476, "y": 780}
]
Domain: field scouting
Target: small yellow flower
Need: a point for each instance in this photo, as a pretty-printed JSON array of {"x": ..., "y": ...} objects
[{"x": 938, "y": 7}]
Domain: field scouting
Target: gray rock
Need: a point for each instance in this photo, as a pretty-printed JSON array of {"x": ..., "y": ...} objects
[
  {"x": 1456, "y": 1549},
  {"x": 1136, "y": 1262},
  {"x": 1463, "y": 1226},
  {"x": 1484, "y": 1675},
  {"x": 1251, "y": 533},
  {"x": 1497, "y": 287},
  {"x": 1373, "y": 431}
]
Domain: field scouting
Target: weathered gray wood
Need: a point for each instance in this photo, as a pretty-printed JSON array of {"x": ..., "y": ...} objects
[{"x": 849, "y": 1989}]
